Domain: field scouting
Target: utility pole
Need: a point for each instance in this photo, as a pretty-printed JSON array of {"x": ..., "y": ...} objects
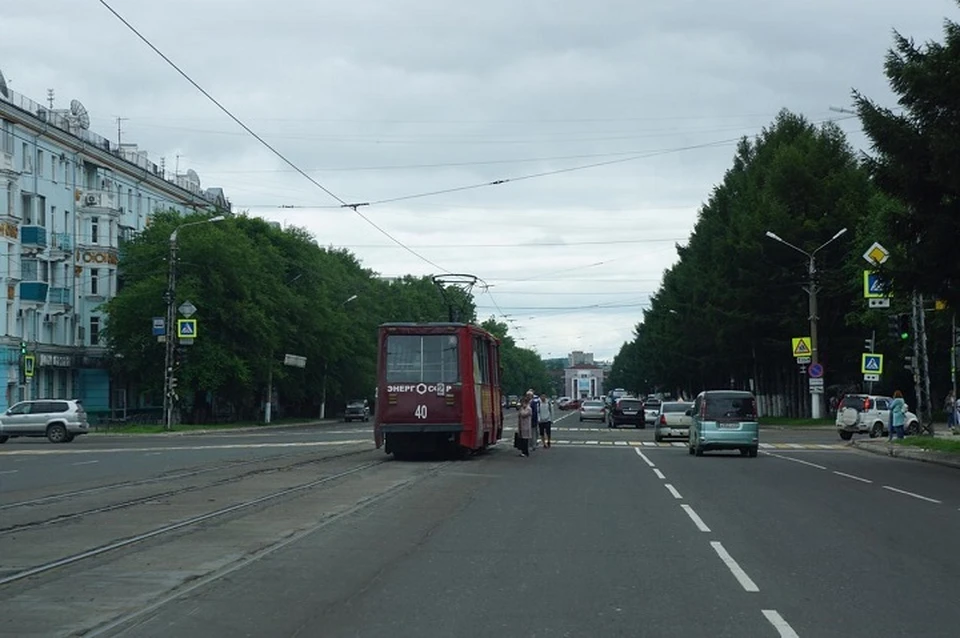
[
  {"x": 953, "y": 354},
  {"x": 871, "y": 345},
  {"x": 917, "y": 388},
  {"x": 925, "y": 366},
  {"x": 169, "y": 381}
]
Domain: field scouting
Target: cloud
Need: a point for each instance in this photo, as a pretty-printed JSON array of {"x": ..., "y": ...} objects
[{"x": 380, "y": 100}]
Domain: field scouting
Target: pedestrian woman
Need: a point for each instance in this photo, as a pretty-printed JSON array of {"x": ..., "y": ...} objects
[
  {"x": 525, "y": 425},
  {"x": 950, "y": 407},
  {"x": 545, "y": 416},
  {"x": 898, "y": 413}
]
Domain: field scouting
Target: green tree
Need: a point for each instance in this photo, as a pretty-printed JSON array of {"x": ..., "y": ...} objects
[
  {"x": 523, "y": 369},
  {"x": 916, "y": 162}
]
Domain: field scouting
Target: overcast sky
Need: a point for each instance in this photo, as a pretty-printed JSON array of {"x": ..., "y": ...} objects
[{"x": 381, "y": 99}]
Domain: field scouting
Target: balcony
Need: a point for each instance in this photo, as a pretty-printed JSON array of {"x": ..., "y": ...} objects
[
  {"x": 61, "y": 241},
  {"x": 33, "y": 236},
  {"x": 97, "y": 199},
  {"x": 33, "y": 291},
  {"x": 62, "y": 296}
]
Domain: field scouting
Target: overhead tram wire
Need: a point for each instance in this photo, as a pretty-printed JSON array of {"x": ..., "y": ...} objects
[{"x": 343, "y": 203}]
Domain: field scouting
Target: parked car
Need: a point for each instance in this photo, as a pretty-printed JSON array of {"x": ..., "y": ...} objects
[
  {"x": 724, "y": 420},
  {"x": 651, "y": 411},
  {"x": 593, "y": 410},
  {"x": 626, "y": 411},
  {"x": 869, "y": 414},
  {"x": 513, "y": 401},
  {"x": 673, "y": 421},
  {"x": 357, "y": 410},
  {"x": 58, "y": 420}
]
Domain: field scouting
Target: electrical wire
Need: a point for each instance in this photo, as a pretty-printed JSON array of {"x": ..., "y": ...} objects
[{"x": 267, "y": 145}]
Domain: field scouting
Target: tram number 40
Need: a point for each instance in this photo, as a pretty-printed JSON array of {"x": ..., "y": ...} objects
[{"x": 420, "y": 412}]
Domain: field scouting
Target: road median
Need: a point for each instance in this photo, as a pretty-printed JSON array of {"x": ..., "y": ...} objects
[
  {"x": 939, "y": 451},
  {"x": 188, "y": 430}
]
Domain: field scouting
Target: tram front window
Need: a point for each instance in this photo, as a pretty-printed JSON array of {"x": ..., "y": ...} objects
[{"x": 422, "y": 358}]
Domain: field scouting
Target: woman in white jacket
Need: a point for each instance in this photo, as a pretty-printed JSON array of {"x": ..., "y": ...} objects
[{"x": 545, "y": 420}]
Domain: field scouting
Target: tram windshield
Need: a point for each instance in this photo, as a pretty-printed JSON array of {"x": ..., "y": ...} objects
[{"x": 422, "y": 358}]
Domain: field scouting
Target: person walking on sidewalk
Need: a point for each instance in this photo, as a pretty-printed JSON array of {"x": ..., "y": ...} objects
[
  {"x": 525, "y": 425},
  {"x": 535, "y": 406},
  {"x": 545, "y": 416},
  {"x": 898, "y": 414}
]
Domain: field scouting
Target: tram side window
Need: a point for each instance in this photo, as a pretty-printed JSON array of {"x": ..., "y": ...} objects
[
  {"x": 481, "y": 361},
  {"x": 427, "y": 358}
]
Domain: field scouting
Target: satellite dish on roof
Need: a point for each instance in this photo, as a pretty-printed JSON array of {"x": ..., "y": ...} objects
[
  {"x": 193, "y": 178},
  {"x": 4, "y": 91},
  {"x": 79, "y": 111}
]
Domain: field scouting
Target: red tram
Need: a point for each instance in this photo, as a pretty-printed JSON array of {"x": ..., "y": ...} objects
[{"x": 438, "y": 388}]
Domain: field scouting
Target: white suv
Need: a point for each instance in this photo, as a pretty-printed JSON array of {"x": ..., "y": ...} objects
[
  {"x": 59, "y": 420},
  {"x": 869, "y": 414}
]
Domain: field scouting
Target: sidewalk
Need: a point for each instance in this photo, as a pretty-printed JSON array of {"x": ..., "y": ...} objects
[{"x": 882, "y": 447}]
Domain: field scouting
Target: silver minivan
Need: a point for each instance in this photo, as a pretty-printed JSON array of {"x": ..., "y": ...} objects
[{"x": 60, "y": 420}]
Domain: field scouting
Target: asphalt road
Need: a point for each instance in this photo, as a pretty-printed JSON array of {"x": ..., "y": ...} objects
[{"x": 604, "y": 534}]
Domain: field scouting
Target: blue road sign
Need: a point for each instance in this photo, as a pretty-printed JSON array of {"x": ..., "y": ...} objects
[
  {"x": 159, "y": 326},
  {"x": 871, "y": 363},
  {"x": 815, "y": 371},
  {"x": 186, "y": 328},
  {"x": 873, "y": 286}
]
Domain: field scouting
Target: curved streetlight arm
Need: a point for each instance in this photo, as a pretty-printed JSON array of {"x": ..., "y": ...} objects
[
  {"x": 830, "y": 241},
  {"x": 783, "y": 241},
  {"x": 173, "y": 235}
]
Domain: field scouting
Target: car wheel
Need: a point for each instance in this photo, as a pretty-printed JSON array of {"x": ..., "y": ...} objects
[
  {"x": 846, "y": 436},
  {"x": 849, "y": 417},
  {"x": 689, "y": 449},
  {"x": 657, "y": 438},
  {"x": 752, "y": 453},
  {"x": 698, "y": 451},
  {"x": 3, "y": 438},
  {"x": 56, "y": 433},
  {"x": 876, "y": 430}
]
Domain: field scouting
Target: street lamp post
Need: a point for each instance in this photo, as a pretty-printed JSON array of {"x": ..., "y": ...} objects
[
  {"x": 323, "y": 389},
  {"x": 815, "y": 401},
  {"x": 169, "y": 380}
]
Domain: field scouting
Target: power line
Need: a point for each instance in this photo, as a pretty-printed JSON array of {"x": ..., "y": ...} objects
[
  {"x": 606, "y": 242},
  {"x": 267, "y": 145}
]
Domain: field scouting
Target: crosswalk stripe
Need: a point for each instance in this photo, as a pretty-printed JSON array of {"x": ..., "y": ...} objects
[{"x": 678, "y": 444}]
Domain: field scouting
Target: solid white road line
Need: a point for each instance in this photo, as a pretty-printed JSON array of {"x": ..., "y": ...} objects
[
  {"x": 9, "y": 471},
  {"x": 781, "y": 625},
  {"x": 673, "y": 491},
  {"x": 851, "y": 476},
  {"x": 659, "y": 474},
  {"x": 922, "y": 498},
  {"x": 788, "y": 458},
  {"x": 732, "y": 565},
  {"x": 85, "y": 463},
  {"x": 695, "y": 518},
  {"x": 644, "y": 457}
]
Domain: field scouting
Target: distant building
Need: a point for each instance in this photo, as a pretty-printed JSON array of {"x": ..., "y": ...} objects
[
  {"x": 68, "y": 198},
  {"x": 583, "y": 380},
  {"x": 578, "y": 357}
]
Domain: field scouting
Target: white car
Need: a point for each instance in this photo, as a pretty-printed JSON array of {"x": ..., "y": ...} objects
[
  {"x": 869, "y": 414},
  {"x": 673, "y": 421},
  {"x": 651, "y": 411}
]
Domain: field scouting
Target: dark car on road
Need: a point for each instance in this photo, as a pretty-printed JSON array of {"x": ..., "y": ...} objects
[
  {"x": 626, "y": 411},
  {"x": 357, "y": 410}
]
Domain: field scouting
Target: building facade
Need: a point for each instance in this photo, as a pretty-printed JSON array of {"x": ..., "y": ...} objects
[
  {"x": 583, "y": 381},
  {"x": 68, "y": 198}
]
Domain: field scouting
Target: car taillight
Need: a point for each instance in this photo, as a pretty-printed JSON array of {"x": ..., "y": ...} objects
[
  {"x": 663, "y": 419},
  {"x": 866, "y": 404}
]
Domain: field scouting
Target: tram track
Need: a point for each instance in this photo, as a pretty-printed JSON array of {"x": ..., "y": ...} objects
[
  {"x": 152, "y": 497},
  {"x": 167, "y": 529}
]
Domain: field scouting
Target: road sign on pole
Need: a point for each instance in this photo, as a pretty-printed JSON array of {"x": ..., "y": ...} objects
[
  {"x": 187, "y": 309},
  {"x": 874, "y": 287},
  {"x": 801, "y": 346},
  {"x": 871, "y": 363},
  {"x": 816, "y": 372},
  {"x": 876, "y": 254},
  {"x": 186, "y": 328}
]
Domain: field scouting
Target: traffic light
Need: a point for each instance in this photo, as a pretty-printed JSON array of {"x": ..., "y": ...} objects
[
  {"x": 893, "y": 325},
  {"x": 868, "y": 345},
  {"x": 23, "y": 348},
  {"x": 909, "y": 363},
  {"x": 905, "y": 327}
]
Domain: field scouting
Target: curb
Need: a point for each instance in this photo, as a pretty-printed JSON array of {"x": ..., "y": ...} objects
[
  {"x": 946, "y": 459},
  {"x": 249, "y": 428}
]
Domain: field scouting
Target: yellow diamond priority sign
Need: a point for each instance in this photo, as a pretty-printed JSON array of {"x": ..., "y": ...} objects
[
  {"x": 802, "y": 347},
  {"x": 876, "y": 254}
]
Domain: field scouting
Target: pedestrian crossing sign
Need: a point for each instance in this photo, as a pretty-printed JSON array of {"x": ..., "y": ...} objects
[
  {"x": 802, "y": 347},
  {"x": 873, "y": 286},
  {"x": 871, "y": 363},
  {"x": 186, "y": 328}
]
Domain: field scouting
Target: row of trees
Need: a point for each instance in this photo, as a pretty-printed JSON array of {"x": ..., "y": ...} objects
[
  {"x": 725, "y": 312},
  {"x": 262, "y": 292}
]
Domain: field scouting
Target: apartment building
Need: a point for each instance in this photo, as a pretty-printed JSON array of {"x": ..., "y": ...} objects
[{"x": 68, "y": 199}]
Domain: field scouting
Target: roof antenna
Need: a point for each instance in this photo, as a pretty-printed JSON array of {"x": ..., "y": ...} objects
[{"x": 455, "y": 303}]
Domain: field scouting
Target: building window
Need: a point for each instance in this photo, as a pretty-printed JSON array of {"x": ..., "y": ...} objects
[
  {"x": 26, "y": 159},
  {"x": 29, "y": 270},
  {"x": 39, "y": 163},
  {"x": 95, "y": 230},
  {"x": 53, "y": 168},
  {"x": 95, "y": 281},
  {"x": 129, "y": 200},
  {"x": 94, "y": 331}
]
